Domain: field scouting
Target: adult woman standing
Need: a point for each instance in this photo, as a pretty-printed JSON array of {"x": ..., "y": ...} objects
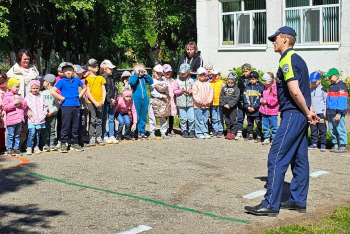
[
  {"x": 23, "y": 70},
  {"x": 191, "y": 56}
]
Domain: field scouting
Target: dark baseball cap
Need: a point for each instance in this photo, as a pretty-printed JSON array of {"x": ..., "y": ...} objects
[{"x": 284, "y": 30}]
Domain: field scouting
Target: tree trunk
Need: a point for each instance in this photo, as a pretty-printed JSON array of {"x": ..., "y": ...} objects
[
  {"x": 153, "y": 55},
  {"x": 173, "y": 59},
  {"x": 49, "y": 63},
  {"x": 81, "y": 58},
  {"x": 68, "y": 38},
  {"x": 67, "y": 59},
  {"x": 39, "y": 49},
  {"x": 22, "y": 26},
  {"x": 40, "y": 60}
]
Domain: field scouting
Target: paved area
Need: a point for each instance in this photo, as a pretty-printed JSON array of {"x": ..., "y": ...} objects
[{"x": 174, "y": 186}]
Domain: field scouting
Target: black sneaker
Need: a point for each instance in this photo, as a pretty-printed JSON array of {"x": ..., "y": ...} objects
[
  {"x": 119, "y": 138},
  {"x": 185, "y": 134},
  {"x": 77, "y": 147},
  {"x": 16, "y": 152},
  {"x": 127, "y": 137},
  {"x": 63, "y": 148},
  {"x": 191, "y": 135}
]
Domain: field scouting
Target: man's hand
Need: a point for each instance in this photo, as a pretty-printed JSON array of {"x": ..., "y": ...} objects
[{"x": 312, "y": 118}]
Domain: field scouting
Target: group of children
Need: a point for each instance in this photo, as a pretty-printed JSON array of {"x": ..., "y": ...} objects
[{"x": 57, "y": 107}]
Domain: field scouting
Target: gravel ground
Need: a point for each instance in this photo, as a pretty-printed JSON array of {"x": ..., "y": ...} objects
[{"x": 209, "y": 176}]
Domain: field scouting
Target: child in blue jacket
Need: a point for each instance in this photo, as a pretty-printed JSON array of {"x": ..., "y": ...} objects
[
  {"x": 251, "y": 103},
  {"x": 138, "y": 84},
  {"x": 336, "y": 107}
]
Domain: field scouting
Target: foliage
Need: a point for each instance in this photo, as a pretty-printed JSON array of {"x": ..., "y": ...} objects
[{"x": 239, "y": 72}]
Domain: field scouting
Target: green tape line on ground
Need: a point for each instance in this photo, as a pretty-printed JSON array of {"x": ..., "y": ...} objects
[{"x": 137, "y": 197}]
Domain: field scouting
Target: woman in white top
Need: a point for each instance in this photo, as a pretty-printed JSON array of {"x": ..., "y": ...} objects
[{"x": 23, "y": 70}]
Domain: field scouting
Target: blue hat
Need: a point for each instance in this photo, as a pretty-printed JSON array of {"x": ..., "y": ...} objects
[
  {"x": 284, "y": 30},
  {"x": 315, "y": 76},
  {"x": 184, "y": 68}
]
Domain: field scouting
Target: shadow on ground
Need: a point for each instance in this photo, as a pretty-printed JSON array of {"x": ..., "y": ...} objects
[
  {"x": 285, "y": 191},
  {"x": 17, "y": 218}
]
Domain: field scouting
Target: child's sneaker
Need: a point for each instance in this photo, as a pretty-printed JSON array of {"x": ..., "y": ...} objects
[
  {"x": 201, "y": 137},
  {"x": 341, "y": 149},
  {"x": 172, "y": 133},
  {"x": 100, "y": 141},
  {"x": 9, "y": 152},
  {"x": 139, "y": 137},
  {"x": 16, "y": 152},
  {"x": 120, "y": 138},
  {"x": 128, "y": 137},
  {"x": 53, "y": 148},
  {"x": 46, "y": 148},
  {"x": 144, "y": 137},
  {"x": 58, "y": 146},
  {"x": 63, "y": 148},
  {"x": 312, "y": 147},
  {"x": 207, "y": 136},
  {"x": 37, "y": 150},
  {"x": 334, "y": 148},
  {"x": 92, "y": 141},
  {"x": 29, "y": 151},
  {"x": 77, "y": 147},
  {"x": 215, "y": 133},
  {"x": 258, "y": 139},
  {"x": 185, "y": 134},
  {"x": 239, "y": 135},
  {"x": 107, "y": 140},
  {"x": 220, "y": 134},
  {"x": 191, "y": 134},
  {"x": 164, "y": 136},
  {"x": 113, "y": 140},
  {"x": 266, "y": 141},
  {"x": 323, "y": 148},
  {"x": 249, "y": 138},
  {"x": 152, "y": 135}
]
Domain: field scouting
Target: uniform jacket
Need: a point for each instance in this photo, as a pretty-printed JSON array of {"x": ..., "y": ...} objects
[
  {"x": 14, "y": 114},
  {"x": 271, "y": 107},
  {"x": 161, "y": 106},
  {"x": 122, "y": 107},
  {"x": 337, "y": 99},
  {"x": 202, "y": 94},
  {"x": 183, "y": 99},
  {"x": 23, "y": 77},
  {"x": 138, "y": 86},
  {"x": 2, "y": 112},
  {"x": 229, "y": 96},
  {"x": 195, "y": 62},
  {"x": 252, "y": 95},
  {"x": 216, "y": 85},
  {"x": 319, "y": 99},
  {"x": 171, "y": 84},
  {"x": 52, "y": 102},
  {"x": 38, "y": 107}
]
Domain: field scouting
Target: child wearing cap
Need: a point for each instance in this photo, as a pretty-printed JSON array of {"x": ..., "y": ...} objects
[
  {"x": 110, "y": 101},
  {"x": 251, "y": 103},
  {"x": 138, "y": 84},
  {"x": 184, "y": 101},
  {"x": 209, "y": 68},
  {"x": 121, "y": 112},
  {"x": 318, "y": 102},
  {"x": 202, "y": 98},
  {"x": 269, "y": 108},
  {"x": 36, "y": 112},
  {"x": 49, "y": 132},
  {"x": 125, "y": 80},
  {"x": 3, "y": 88},
  {"x": 14, "y": 105},
  {"x": 96, "y": 92},
  {"x": 159, "y": 103},
  {"x": 69, "y": 98},
  {"x": 215, "y": 108},
  {"x": 229, "y": 97},
  {"x": 242, "y": 83},
  {"x": 336, "y": 108},
  {"x": 171, "y": 84}
]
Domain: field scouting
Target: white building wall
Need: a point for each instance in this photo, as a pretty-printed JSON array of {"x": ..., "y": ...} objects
[{"x": 208, "y": 30}]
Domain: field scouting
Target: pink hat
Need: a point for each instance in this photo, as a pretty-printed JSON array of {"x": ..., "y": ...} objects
[
  {"x": 167, "y": 67},
  {"x": 34, "y": 82},
  {"x": 127, "y": 93}
]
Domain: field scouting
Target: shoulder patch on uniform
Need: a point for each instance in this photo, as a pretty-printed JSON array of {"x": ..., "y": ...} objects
[{"x": 285, "y": 68}]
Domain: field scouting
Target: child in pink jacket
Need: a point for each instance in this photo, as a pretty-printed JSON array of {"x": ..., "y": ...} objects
[
  {"x": 269, "y": 108},
  {"x": 37, "y": 111},
  {"x": 171, "y": 84},
  {"x": 3, "y": 87},
  {"x": 14, "y": 105},
  {"x": 121, "y": 113},
  {"x": 202, "y": 98}
]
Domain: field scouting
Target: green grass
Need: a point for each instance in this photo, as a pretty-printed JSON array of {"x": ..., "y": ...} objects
[{"x": 337, "y": 222}]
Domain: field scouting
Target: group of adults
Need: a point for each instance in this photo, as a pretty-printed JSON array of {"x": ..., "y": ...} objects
[{"x": 290, "y": 146}]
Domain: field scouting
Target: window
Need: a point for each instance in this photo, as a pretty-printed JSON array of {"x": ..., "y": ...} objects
[
  {"x": 243, "y": 23},
  {"x": 315, "y": 21}
]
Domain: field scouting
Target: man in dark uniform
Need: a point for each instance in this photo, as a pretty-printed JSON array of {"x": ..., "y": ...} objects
[{"x": 290, "y": 145}]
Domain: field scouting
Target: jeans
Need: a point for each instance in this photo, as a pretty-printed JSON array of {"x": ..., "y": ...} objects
[
  {"x": 49, "y": 132},
  {"x": 186, "y": 114},
  {"x": 201, "y": 119},
  {"x": 337, "y": 130},
  {"x": 216, "y": 118},
  {"x": 124, "y": 120},
  {"x": 13, "y": 134},
  {"x": 240, "y": 118},
  {"x": 319, "y": 129},
  {"x": 82, "y": 120},
  {"x": 95, "y": 121},
  {"x": 269, "y": 123},
  {"x": 33, "y": 137},
  {"x": 108, "y": 110}
]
